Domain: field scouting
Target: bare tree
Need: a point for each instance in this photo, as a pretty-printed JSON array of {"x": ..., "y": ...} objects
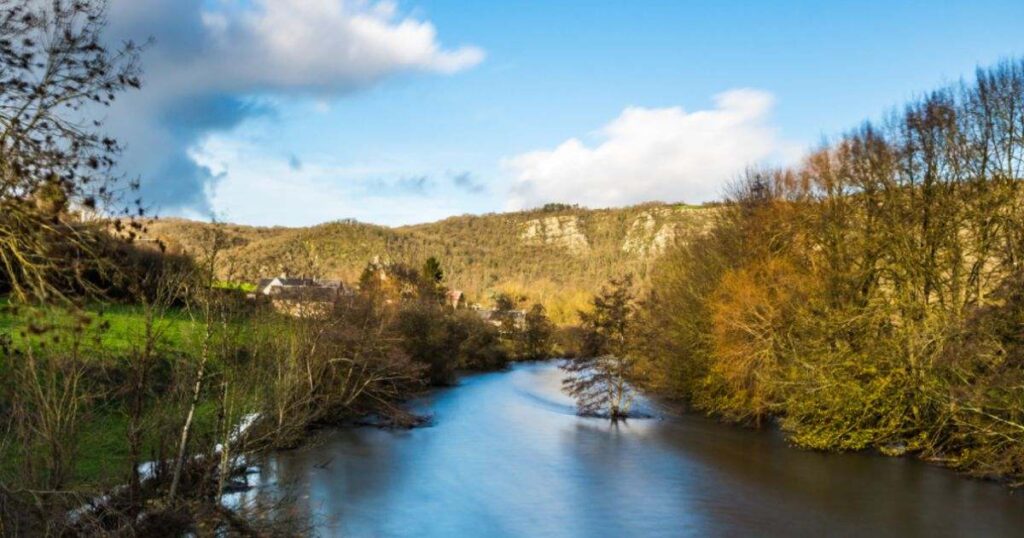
[
  {"x": 48, "y": 408},
  {"x": 157, "y": 291},
  {"x": 206, "y": 296},
  {"x": 54, "y": 72}
]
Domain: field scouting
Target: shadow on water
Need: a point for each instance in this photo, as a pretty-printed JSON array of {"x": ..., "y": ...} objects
[
  {"x": 506, "y": 456},
  {"x": 546, "y": 403}
]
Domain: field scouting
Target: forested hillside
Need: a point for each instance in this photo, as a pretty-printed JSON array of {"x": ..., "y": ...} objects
[{"x": 558, "y": 254}]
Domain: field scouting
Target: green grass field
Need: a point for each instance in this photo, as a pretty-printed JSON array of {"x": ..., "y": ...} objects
[
  {"x": 111, "y": 328},
  {"x": 111, "y": 335}
]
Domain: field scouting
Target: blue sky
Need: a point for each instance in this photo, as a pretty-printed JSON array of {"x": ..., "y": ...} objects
[{"x": 447, "y": 107}]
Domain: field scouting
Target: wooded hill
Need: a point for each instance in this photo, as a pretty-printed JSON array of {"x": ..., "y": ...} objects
[{"x": 558, "y": 255}]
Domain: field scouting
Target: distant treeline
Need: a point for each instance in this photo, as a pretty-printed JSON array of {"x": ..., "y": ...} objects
[{"x": 870, "y": 297}]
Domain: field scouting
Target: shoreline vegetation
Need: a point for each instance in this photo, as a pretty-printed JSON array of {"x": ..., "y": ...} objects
[
  {"x": 125, "y": 368},
  {"x": 868, "y": 298},
  {"x": 164, "y": 379}
]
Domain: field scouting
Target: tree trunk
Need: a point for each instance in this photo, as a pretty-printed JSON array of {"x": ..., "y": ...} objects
[{"x": 186, "y": 429}]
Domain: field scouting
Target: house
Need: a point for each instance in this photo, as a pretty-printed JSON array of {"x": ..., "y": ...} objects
[
  {"x": 296, "y": 287},
  {"x": 267, "y": 286},
  {"x": 301, "y": 297}
]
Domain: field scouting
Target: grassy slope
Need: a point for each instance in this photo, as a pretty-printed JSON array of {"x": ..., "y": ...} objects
[
  {"x": 480, "y": 254},
  {"x": 111, "y": 328}
]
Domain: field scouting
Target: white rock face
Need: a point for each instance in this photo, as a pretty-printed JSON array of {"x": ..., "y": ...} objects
[
  {"x": 646, "y": 238},
  {"x": 558, "y": 231},
  {"x": 665, "y": 238},
  {"x": 639, "y": 235}
]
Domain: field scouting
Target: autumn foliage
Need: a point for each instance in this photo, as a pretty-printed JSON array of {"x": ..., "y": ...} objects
[{"x": 870, "y": 296}]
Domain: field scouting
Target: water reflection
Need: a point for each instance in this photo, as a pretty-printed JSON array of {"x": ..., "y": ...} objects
[{"x": 507, "y": 457}]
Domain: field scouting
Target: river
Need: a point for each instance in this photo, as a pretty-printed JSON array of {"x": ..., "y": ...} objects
[{"x": 506, "y": 456}]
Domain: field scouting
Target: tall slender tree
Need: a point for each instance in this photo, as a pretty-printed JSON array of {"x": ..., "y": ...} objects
[{"x": 599, "y": 379}]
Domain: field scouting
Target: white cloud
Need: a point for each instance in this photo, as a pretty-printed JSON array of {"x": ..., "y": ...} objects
[
  {"x": 210, "y": 57},
  {"x": 324, "y": 45},
  {"x": 648, "y": 154}
]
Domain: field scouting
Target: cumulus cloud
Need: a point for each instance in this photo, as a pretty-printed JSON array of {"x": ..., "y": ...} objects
[
  {"x": 212, "y": 60},
  {"x": 648, "y": 154},
  {"x": 323, "y": 45}
]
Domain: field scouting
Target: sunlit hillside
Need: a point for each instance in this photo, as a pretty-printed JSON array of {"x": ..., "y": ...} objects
[{"x": 558, "y": 255}]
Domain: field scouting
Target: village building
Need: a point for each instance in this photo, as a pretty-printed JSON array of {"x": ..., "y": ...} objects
[
  {"x": 283, "y": 285},
  {"x": 301, "y": 297}
]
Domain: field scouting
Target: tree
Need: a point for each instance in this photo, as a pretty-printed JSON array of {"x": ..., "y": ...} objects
[
  {"x": 507, "y": 316},
  {"x": 870, "y": 296},
  {"x": 54, "y": 73},
  {"x": 599, "y": 379},
  {"x": 210, "y": 309},
  {"x": 481, "y": 347},
  {"x": 535, "y": 340},
  {"x": 750, "y": 312},
  {"x": 428, "y": 340},
  {"x": 156, "y": 291},
  {"x": 48, "y": 400},
  {"x": 433, "y": 278},
  {"x": 432, "y": 271}
]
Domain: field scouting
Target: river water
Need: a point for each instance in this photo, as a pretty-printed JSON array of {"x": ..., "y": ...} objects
[{"x": 506, "y": 456}]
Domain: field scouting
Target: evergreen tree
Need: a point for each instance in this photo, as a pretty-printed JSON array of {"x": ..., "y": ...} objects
[
  {"x": 535, "y": 340},
  {"x": 599, "y": 378},
  {"x": 433, "y": 278},
  {"x": 432, "y": 271}
]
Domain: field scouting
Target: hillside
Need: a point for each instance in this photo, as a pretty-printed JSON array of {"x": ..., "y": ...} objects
[{"x": 557, "y": 255}]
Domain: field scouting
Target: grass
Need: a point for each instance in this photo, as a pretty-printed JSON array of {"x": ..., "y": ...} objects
[
  {"x": 246, "y": 287},
  {"x": 102, "y": 458},
  {"x": 126, "y": 324},
  {"x": 112, "y": 328},
  {"x": 103, "y": 448},
  {"x": 111, "y": 335}
]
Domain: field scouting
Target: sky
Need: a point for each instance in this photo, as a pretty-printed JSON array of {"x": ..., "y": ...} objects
[{"x": 298, "y": 112}]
